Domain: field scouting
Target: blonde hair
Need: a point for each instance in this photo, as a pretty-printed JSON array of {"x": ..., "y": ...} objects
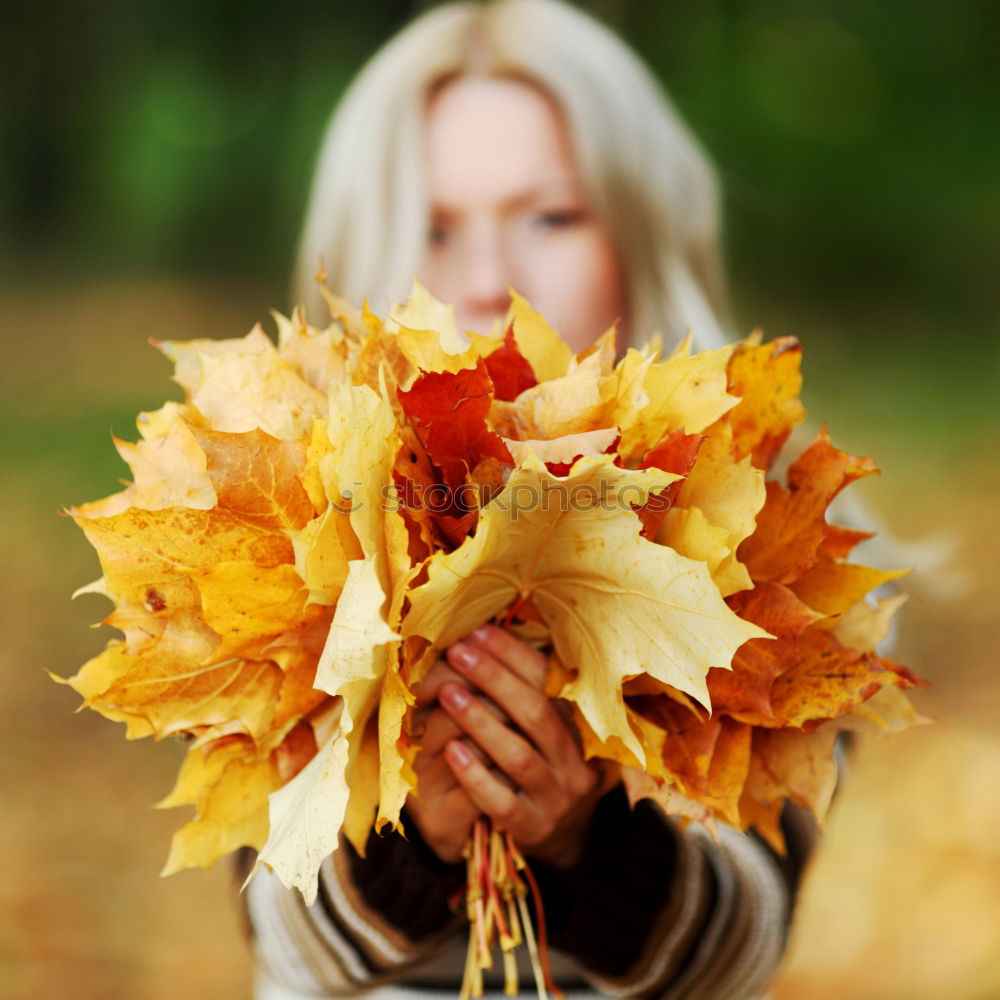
[{"x": 646, "y": 176}]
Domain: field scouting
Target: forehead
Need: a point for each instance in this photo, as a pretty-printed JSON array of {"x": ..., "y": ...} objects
[{"x": 492, "y": 138}]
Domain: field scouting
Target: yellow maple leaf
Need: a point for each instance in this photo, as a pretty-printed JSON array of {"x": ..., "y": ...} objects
[
  {"x": 563, "y": 449},
  {"x": 166, "y": 688},
  {"x": 791, "y": 763},
  {"x": 319, "y": 356},
  {"x": 240, "y": 385},
  {"x": 323, "y": 549},
  {"x": 168, "y": 469},
  {"x": 573, "y": 404},
  {"x": 249, "y": 605},
  {"x": 831, "y": 587},
  {"x": 256, "y": 476},
  {"x": 429, "y": 338},
  {"x": 305, "y": 817},
  {"x": 617, "y": 605},
  {"x": 547, "y": 353},
  {"x": 229, "y": 790},
  {"x": 151, "y": 558},
  {"x": 422, "y": 311},
  {"x": 864, "y": 626},
  {"x": 715, "y": 510},
  {"x": 653, "y": 398}
]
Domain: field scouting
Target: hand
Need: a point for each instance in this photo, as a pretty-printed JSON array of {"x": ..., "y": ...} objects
[{"x": 497, "y": 746}]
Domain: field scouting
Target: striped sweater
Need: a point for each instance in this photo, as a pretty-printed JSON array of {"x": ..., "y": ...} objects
[{"x": 649, "y": 911}]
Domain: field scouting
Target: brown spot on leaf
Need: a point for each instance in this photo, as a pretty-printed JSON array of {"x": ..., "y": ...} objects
[{"x": 154, "y": 600}]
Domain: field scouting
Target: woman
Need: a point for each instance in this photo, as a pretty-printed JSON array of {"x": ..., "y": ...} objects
[
  {"x": 521, "y": 145},
  {"x": 646, "y": 178}
]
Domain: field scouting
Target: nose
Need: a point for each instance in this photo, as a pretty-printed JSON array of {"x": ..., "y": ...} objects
[{"x": 484, "y": 295}]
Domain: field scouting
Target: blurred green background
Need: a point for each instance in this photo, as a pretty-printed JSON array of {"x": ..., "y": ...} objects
[{"x": 155, "y": 164}]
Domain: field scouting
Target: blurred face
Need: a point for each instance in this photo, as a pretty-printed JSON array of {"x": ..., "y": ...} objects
[{"x": 508, "y": 208}]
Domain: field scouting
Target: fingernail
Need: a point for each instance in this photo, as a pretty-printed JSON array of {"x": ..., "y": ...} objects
[
  {"x": 456, "y": 696},
  {"x": 480, "y": 634},
  {"x": 459, "y": 754},
  {"x": 462, "y": 655}
]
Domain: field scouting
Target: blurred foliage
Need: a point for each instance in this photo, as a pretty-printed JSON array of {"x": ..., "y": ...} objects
[
  {"x": 154, "y": 165},
  {"x": 857, "y": 141}
]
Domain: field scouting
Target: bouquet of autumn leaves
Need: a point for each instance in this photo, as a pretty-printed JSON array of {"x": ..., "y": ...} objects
[{"x": 318, "y": 520}]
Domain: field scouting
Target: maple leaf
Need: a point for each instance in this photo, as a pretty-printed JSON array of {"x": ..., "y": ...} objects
[
  {"x": 429, "y": 338},
  {"x": 546, "y": 352},
  {"x": 790, "y": 763},
  {"x": 653, "y": 398},
  {"x": 422, "y": 311},
  {"x": 863, "y": 626},
  {"x": 319, "y": 356},
  {"x": 792, "y": 525},
  {"x": 169, "y": 469},
  {"x": 448, "y": 410},
  {"x": 166, "y": 688},
  {"x": 745, "y": 691},
  {"x": 151, "y": 560},
  {"x": 255, "y": 476},
  {"x": 230, "y": 791},
  {"x": 509, "y": 369},
  {"x": 304, "y": 819},
  {"x": 281, "y": 589},
  {"x": 708, "y": 759},
  {"x": 833, "y": 587},
  {"x": 617, "y": 605},
  {"x": 560, "y": 453},
  {"x": 240, "y": 385},
  {"x": 714, "y": 510},
  {"x": 767, "y": 380},
  {"x": 827, "y": 681},
  {"x": 577, "y": 402}
]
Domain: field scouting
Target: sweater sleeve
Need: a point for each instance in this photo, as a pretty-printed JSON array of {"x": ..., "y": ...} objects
[
  {"x": 374, "y": 918},
  {"x": 649, "y": 911},
  {"x": 654, "y": 911}
]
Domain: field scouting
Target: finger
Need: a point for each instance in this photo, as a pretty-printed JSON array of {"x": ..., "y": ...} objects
[
  {"x": 529, "y": 708},
  {"x": 531, "y": 665},
  {"x": 434, "y": 776},
  {"x": 434, "y": 729},
  {"x": 510, "y": 752},
  {"x": 485, "y": 790},
  {"x": 444, "y": 822},
  {"x": 431, "y": 727},
  {"x": 441, "y": 729},
  {"x": 438, "y": 726},
  {"x": 426, "y": 692}
]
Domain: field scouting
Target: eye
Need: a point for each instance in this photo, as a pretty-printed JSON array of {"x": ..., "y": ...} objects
[
  {"x": 558, "y": 218},
  {"x": 437, "y": 235}
]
